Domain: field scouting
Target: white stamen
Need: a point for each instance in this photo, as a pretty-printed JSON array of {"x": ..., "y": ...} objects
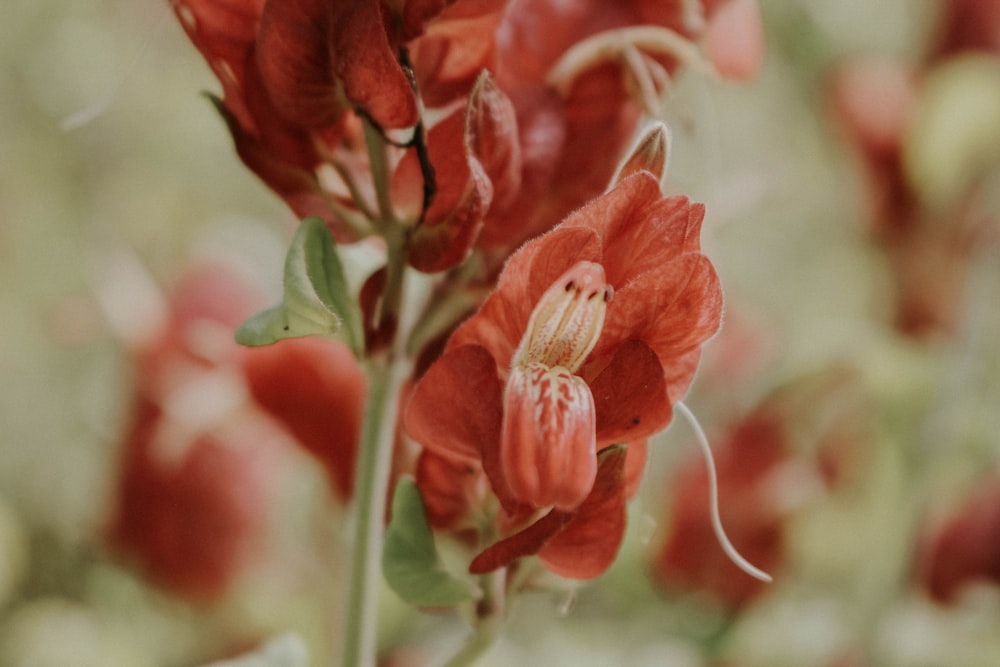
[{"x": 713, "y": 492}]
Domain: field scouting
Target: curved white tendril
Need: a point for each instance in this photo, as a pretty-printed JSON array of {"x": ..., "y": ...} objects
[{"x": 713, "y": 491}]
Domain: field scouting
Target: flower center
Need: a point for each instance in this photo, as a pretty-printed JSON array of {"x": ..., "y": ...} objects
[
  {"x": 566, "y": 323},
  {"x": 548, "y": 447}
]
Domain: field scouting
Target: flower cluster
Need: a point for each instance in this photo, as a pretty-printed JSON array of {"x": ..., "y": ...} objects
[{"x": 483, "y": 143}]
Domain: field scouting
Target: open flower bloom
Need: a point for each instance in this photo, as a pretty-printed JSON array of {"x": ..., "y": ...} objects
[{"x": 594, "y": 331}]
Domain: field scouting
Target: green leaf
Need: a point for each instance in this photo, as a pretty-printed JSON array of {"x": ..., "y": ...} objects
[
  {"x": 316, "y": 298},
  {"x": 284, "y": 651},
  {"x": 410, "y": 561}
]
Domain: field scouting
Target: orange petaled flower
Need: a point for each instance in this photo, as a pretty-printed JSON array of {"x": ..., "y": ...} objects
[{"x": 594, "y": 331}]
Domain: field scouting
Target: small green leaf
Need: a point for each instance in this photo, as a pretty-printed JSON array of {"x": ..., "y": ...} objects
[
  {"x": 316, "y": 299},
  {"x": 284, "y": 651},
  {"x": 410, "y": 561}
]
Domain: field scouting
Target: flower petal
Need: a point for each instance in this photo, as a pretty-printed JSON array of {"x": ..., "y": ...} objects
[
  {"x": 224, "y": 32},
  {"x": 366, "y": 63},
  {"x": 450, "y": 488},
  {"x": 317, "y": 390},
  {"x": 294, "y": 58},
  {"x": 673, "y": 309},
  {"x": 589, "y": 542},
  {"x": 634, "y": 214},
  {"x": 456, "y": 408},
  {"x": 525, "y": 543},
  {"x": 452, "y": 222},
  {"x": 548, "y": 451},
  {"x": 630, "y": 395},
  {"x": 504, "y": 316}
]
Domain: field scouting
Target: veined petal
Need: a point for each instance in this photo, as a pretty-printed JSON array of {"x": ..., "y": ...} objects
[
  {"x": 567, "y": 321},
  {"x": 548, "y": 451},
  {"x": 673, "y": 309},
  {"x": 503, "y": 318},
  {"x": 294, "y": 58}
]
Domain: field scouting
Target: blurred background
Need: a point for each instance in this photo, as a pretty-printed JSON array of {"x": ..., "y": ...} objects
[{"x": 852, "y": 397}]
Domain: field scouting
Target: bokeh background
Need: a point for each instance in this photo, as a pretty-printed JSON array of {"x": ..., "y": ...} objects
[{"x": 863, "y": 435}]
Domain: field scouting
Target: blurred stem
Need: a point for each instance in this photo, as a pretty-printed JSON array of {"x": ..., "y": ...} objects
[
  {"x": 379, "y": 165},
  {"x": 488, "y": 619},
  {"x": 385, "y": 377}
]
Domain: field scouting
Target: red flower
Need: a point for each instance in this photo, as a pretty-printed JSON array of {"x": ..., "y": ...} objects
[
  {"x": 199, "y": 461},
  {"x": 315, "y": 388},
  {"x": 747, "y": 462},
  {"x": 191, "y": 508},
  {"x": 201, "y": 458},
  {"x": 298, "y": 74},
  {"x": 965, "y": 548},
  {"x": 595, "y": 329}
]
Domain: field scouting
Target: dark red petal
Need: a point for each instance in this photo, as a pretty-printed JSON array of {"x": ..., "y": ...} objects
[
  {"x": 450, "y": 488},
  {"x": 223, "y": 31},
  {"x": 492, "y": 136},
  {"x": 630, "y": 395},
  {"x": 295, "y": 60},
  {"x": 463, "y": 194},
  {"x": 588, "y": 544},
  {"x": 366, "y": 63},
  {"x": 456, "y": 47},
  {"x": 456, "y": 407},
  {"x": 317, "y": 390},
  {"x": 525, "y": 543},
  {"x": 580, "y": 544}
]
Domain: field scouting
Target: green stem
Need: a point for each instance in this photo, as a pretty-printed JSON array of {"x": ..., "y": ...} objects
[
  {"x": 381, "y": 173},
  {"x": 385, "y": 377},
  {"x": 489, "y": 619}
]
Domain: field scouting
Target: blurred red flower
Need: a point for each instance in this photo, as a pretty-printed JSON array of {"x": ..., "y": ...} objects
[
  {"x": 210, "y": 432},
  {"x": 965, "y": 548},
  {"x": 747, "y": 463}
]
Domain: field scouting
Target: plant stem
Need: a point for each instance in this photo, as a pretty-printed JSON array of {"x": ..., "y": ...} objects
[
  {"x": 385, "y": 376},
  {"x": 489, "y": 618}
]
